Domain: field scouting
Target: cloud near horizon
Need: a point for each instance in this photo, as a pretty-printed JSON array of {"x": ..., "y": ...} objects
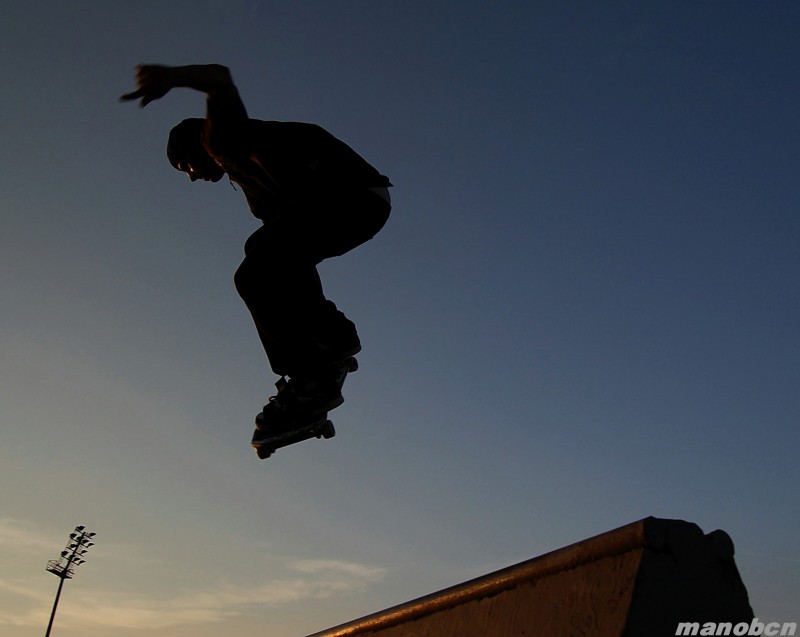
[
  {"x": 315, "y": 579},
  {"x": 325, "y": 579},
  {"x": 24, "y": 538}
]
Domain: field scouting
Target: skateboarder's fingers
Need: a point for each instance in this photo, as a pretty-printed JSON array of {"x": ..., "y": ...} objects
[
  {"x": 152, "y": 82},
  {"x": 135, "y": 95},
  {"x": 145, "y": 95}
]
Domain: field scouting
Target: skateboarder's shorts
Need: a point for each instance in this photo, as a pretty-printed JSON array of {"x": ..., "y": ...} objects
[{"x": 330, "y": 228}]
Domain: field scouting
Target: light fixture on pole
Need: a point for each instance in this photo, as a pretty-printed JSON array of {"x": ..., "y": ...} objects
[{"x": 64, "y": 567}]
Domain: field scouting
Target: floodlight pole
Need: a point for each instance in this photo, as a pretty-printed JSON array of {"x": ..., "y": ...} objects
[
  {"x": 64, "y": 566},
  {"x": 55, "y": 605}
]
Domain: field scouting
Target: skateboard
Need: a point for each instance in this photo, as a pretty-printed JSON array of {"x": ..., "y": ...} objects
[
  {"x": 266, "y": 442},
  {"x": 266, "y": 446}
]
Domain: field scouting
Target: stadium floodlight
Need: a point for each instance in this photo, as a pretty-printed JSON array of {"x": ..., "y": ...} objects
[{"x": 64, "y": 566}]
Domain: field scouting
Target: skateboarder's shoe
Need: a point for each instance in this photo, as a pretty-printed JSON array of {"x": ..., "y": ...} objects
[
  {"x": 291, "y": 409},
  {"x": 302, "y": 401}
]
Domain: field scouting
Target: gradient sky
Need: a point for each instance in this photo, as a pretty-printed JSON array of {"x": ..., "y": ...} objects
[{"x": 583, "y": 311}]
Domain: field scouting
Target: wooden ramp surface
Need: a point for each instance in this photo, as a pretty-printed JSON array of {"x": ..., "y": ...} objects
[{"x": 640, "y": 580}]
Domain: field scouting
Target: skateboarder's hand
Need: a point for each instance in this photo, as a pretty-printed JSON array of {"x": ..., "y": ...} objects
[{"x": 153, "y": 81}]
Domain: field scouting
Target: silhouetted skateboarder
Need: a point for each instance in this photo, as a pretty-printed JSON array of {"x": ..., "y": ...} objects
[{"x": 317, "y": 198}]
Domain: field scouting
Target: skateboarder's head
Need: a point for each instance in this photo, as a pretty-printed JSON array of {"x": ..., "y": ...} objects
[{"x": 186, "y": 152}]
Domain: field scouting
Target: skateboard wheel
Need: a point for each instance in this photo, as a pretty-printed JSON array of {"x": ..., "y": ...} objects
[
  {"x": 327, "y": 430},
  {"x": 352, "y": 365},
  {"x": 263, "y": 453}
]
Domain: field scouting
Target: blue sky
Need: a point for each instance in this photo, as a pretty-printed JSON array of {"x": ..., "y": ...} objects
[{"x": 583, "y": 311}]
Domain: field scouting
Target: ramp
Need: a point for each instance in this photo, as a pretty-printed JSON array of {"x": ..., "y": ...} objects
[{"x": 640, "y": 580}]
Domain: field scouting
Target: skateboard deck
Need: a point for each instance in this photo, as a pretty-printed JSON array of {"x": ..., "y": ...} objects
[{"x": 265, "y": 446}]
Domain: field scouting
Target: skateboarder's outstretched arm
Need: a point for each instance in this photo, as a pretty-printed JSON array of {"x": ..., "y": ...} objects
[
  {"x": 224, "y": 108},
  {"x": 156, "y": 80}
]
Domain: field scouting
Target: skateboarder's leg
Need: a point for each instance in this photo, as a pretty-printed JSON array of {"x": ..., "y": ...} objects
[
  {"x": 284, "y": 295},
  {"x": 306, "y": 337},
  {"x": 350, "y": 218}
]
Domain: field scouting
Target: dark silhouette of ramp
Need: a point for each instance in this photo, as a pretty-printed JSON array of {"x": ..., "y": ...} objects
[{"x": 640, "y": 580}]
